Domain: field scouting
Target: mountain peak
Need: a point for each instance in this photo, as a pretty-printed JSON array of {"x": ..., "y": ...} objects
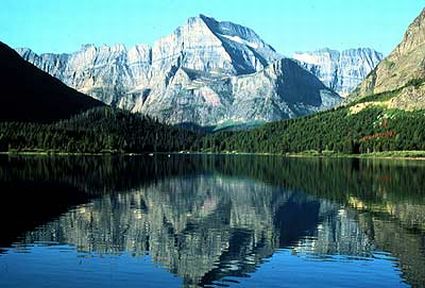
[
  {"x": 114, "y": 47},
  {"x": 205, "y": 72},
  {"x": 414, "y": 36},
  {"x": 205, "y": 17},
  {"x": 343, "y": 70},
  {"x": 87, "y": 46},
  {"x": 326, "y": 50},
  {"x": 402, "y": 72},
  {"x": 202, "y": 43},
  {"x": 196, "y": 18},
  {"x": 201, "y": 19}
]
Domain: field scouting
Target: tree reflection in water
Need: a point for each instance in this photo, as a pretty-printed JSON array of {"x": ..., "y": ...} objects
[{"x": 209, "y": 217}]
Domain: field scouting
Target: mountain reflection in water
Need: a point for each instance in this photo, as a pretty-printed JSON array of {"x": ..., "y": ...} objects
[{"x": 208, "y": 219}]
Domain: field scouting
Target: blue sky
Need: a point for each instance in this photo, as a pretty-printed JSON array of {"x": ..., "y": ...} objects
[{"x": 288, "y": 25}]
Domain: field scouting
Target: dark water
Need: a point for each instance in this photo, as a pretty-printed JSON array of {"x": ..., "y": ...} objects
[{"x": 238, "y": 221}]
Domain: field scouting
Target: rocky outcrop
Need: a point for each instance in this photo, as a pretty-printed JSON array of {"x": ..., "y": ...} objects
[
  {"x": 206, "y": 72},
  {"x": 402, "y": 72},
  {"x": 340, "y": 71},
  {"x": 280, "y": 91}
]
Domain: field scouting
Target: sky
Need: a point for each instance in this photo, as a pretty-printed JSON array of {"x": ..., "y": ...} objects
[{"x": 62, "y": 26}]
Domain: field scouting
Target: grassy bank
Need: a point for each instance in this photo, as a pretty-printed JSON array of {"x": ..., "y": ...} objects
[{"x": 416, "y": 155}]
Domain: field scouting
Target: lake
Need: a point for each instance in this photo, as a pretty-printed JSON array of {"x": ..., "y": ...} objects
[{"x": 211, "y": 221}]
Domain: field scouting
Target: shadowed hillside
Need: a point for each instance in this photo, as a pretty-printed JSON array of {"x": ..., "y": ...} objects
[{"x": 29, "y": 94}]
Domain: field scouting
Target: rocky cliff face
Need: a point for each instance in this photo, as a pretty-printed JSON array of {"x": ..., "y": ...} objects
[
  {"x": 206, "y": 72},
  {"x": 402, "y": 72},
  {"x": 340, "y": 71},
  {"x": 280, "y": 91}
]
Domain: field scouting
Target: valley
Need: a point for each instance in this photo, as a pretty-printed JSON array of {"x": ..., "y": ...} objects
[
  {"x": 205, "y": 153},
  {"x": 216, "y": 87}
]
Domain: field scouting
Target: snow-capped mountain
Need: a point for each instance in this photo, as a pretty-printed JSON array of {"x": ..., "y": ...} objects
[
  {"x": 340, "y": 71},
  {"x": 206, "y": 72}
]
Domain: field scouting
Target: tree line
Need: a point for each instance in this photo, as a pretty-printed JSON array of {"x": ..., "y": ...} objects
[
  {"x": 98, "y": 130},
  {"x": 340, "y": 130},
  {"x": 107, "y": 130}
]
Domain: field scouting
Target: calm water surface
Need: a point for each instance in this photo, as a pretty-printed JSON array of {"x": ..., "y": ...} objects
[{"x": 211, "y": 221}]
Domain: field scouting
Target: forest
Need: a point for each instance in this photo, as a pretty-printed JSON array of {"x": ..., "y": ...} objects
[
  {"x": 338, "y": 131},
  {"x": 99, "y": 130},
  {"x": 107, "y": 130}
]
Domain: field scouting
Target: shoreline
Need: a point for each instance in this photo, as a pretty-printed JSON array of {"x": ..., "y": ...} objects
[{"x": 287, "y": 155}]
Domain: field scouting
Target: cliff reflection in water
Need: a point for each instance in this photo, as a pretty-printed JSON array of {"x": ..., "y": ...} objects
[{"x": 208, "y": 217}]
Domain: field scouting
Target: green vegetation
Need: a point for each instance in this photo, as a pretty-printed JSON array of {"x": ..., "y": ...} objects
[
  {"x": 387, "y": 95},
  {"x": 373, "y": 131},
  {"x": 379, "y": 97},
  {"x": 34, "y": 104},
  {"x": 337, "y": 131},
  {"x": 397, "y": 154},
  {"x": 100, "y": 130},
  {"x": 415, "y": 82},
  {"x": 389, "y": 64}
]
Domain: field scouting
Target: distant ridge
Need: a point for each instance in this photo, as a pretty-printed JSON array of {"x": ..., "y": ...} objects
[
  {"x": 341, "y": 71},
  {"x": 205, "y": 73}
]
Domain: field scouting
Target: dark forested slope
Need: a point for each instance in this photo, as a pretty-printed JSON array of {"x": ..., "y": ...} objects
[
  {"x": 29, "y": 94},
  {"x": 97, "y": 130}
]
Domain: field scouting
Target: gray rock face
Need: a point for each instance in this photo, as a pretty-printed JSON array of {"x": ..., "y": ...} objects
[
  {"x": 206, "y": 72},
  {"x": 280, "y": 91},
  {"x": 403, "y": 70},
  {"x": 340, "y": 71}
]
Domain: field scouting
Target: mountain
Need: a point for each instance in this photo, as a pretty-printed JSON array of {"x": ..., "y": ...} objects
[
  {"x": 280, "y": 91},
  {"x": 385, "y": 113},
  {"x": 340, "y": 71},
  {"x": 206, "y": 73},
  {"x": 399, "y": 78},
  {"x": 29, "y": 94}
]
